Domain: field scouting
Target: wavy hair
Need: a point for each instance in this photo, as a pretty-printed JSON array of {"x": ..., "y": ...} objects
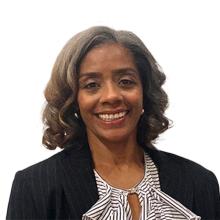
[{"x": 62, "y": 123}]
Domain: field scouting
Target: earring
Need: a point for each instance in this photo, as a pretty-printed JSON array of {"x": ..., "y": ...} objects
[
  {"x": 142, "y": 111},
  {"x": 76, "y": 115}
]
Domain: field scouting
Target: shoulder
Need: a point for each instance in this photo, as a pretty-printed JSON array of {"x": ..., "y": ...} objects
[
  {"x": 178, "y": 165},
  {"x": 45, "y": 166},
  {"x": 51, "y": 165},
  {"x": 184, "y": 163},
  {"x": 188, "y": 182},
  {"x": 42, "y": 187},
  {"x": 31, "y": 189},
  {"x": 38, "y": 177},
  {"x": 50, "y": 172},
  {"x": 179, "y": 174},
  {"x": 192, "y": 173}
]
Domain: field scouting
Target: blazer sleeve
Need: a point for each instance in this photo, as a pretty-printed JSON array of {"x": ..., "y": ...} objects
[
  {"x": 21, "y": 203},
  {"x": 216, "y": 196},
  {"x": 207, "y": 197}
]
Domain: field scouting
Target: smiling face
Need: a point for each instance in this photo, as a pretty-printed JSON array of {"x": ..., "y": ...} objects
[{"x": 110, "y": 96}]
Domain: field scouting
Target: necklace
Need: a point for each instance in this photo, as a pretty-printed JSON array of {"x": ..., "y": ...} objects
[{"x": 131, "y": 190}]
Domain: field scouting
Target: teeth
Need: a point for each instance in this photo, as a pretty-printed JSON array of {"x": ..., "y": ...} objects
[{"x": 111, "y": 117}]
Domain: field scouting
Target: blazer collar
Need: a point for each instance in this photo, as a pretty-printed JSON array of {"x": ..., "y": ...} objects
[
  {"x": 174, "y": 176},
  {"x": 162, "y": 165},
  {"x": 79, "y": 182}
]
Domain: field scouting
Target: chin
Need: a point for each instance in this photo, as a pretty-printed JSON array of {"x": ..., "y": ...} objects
[{"x": 116, "y": 137}]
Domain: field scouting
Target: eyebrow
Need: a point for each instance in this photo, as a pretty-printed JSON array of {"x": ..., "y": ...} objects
[
  {"x": 89, "y": 75},
  {"x": 121, "y": 71}
]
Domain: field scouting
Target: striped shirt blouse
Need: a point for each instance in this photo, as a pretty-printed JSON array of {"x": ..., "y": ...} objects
[{"x": 155, "y": 204}]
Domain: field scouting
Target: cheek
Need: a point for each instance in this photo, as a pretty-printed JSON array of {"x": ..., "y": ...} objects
[
  {"x": 82, "y": 103},
  {"x": 86, "y": 104},
  {"x": 137, "y": 99}
]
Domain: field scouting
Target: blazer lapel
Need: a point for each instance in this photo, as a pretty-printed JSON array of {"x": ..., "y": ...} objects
[
  {"x": 174, "y": 177},
  {"x": 78, "y": 179}
]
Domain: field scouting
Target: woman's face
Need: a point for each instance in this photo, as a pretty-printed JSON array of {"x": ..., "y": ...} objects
[{"x": 110, "y": 96}]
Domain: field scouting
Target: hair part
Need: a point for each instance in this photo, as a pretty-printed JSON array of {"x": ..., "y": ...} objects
[{"x": 61, "y": 118}]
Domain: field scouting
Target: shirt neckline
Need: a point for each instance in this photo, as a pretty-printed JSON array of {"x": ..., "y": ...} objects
[{"x": 130, "y": 190}]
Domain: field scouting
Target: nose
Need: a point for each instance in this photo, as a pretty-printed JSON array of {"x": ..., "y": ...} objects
[{"x": 111, "y": 94}]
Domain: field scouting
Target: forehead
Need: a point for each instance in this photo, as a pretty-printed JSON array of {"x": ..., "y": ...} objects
[{"x": 109, "y": 55}]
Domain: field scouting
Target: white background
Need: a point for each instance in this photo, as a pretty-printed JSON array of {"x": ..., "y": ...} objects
[{"x": 183, "y": 36}]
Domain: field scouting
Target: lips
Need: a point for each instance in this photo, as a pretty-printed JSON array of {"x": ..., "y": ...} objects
[{"x": 112, "y": 116}]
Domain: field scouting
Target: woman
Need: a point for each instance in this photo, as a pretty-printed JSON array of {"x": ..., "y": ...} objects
[{"x": 105, "y": 107}]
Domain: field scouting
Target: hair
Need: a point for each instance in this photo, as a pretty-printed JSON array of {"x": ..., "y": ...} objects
[{"x": 62, "y": 122}]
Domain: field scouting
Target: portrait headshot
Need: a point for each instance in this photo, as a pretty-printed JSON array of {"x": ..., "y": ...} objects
[{"x": 104, "y": 121}]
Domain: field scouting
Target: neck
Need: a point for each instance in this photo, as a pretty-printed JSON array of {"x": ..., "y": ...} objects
[{"x": 115, "y": 153}]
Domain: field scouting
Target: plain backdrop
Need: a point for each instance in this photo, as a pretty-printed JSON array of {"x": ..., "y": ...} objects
[{"x": 183, "y": 36}]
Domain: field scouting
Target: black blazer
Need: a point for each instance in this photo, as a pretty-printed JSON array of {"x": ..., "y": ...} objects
[{"x": 64, "y": 186}]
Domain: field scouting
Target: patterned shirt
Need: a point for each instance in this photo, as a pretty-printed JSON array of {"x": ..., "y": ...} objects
[{"x": 155, "y": 204}]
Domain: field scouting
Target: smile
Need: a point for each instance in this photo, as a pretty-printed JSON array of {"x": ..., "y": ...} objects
[{"x": 112, "y": 117}]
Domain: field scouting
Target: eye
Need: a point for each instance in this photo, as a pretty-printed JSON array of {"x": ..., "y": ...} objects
[
  {"x": 126, "y": 83},
  {"x": 91, "y": 85}
]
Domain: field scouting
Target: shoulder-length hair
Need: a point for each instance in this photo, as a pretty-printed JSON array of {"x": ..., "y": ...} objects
[{"x": 62, "y": 122}]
